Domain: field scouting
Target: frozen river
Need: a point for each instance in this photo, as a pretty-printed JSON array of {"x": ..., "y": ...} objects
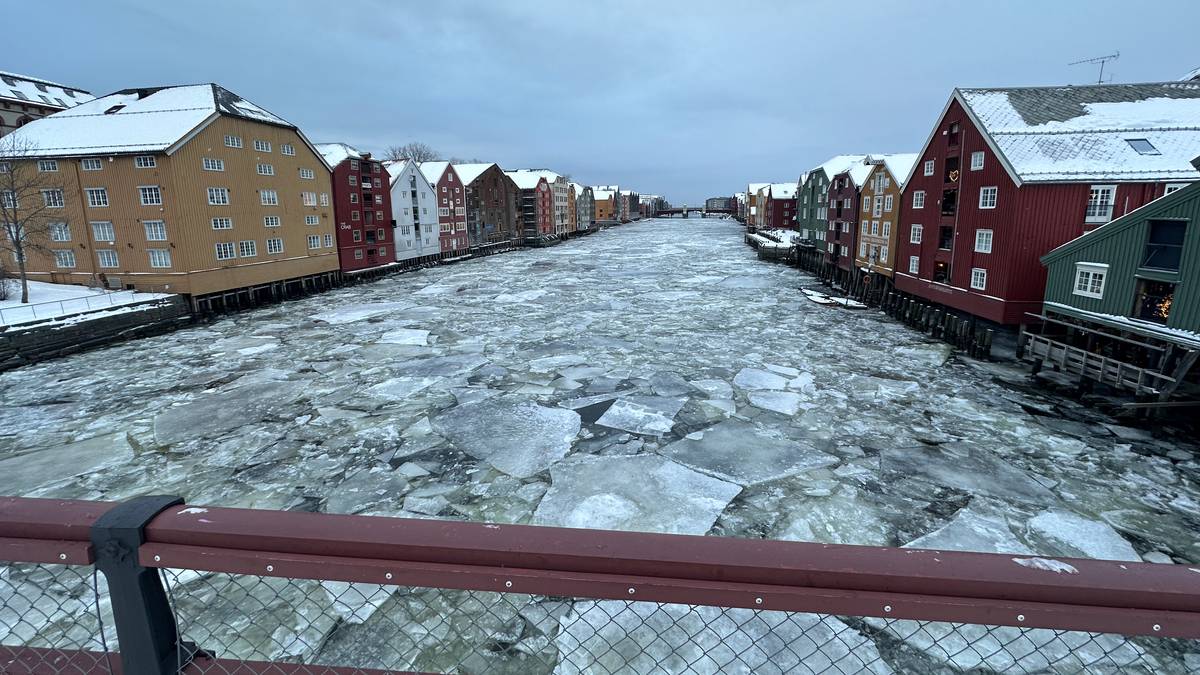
[{"x": 650, "y": 377}]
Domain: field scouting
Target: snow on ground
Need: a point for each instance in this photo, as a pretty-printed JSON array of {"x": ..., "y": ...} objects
[
  {"x": 615, "y": 381},
  {"x": 50, "y": 301}
]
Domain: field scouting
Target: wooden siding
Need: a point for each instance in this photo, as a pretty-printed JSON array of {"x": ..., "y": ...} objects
[
  {"x": 811, "y": 201},
  {"x": 374, "y": 218},
  {"x": 842, "y": 188},
  {"x": 1120, "y": 245},
  {"x": 874, "y": 237}
]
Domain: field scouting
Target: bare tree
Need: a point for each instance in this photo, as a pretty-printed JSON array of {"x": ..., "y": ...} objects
[
  {"x": 415, "y": 151},
  {"x": 32, "y": 201}
]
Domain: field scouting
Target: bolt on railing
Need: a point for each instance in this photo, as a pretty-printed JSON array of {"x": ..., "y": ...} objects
[{"x": 207, "y": 589}]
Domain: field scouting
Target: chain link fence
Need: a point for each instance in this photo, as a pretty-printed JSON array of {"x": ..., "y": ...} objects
[
  {"x": 371, "y": 628},
  {"x": 55, "y": 619}
]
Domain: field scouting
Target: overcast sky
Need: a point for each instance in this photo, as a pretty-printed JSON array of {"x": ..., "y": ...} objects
[{"x": 683, "y": 99}]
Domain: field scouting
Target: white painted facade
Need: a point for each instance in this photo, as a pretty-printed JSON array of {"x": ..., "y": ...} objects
[{"x": 414, "y": 212}]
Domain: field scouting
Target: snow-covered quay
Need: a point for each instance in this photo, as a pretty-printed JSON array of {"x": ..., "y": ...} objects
[{"x": 652, "y": 377}]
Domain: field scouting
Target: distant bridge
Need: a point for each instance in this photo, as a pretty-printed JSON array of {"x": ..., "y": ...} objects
[{"x": 686, "y": 210}]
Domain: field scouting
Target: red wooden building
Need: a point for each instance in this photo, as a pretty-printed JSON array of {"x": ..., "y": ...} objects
[
  {"x": 362, "y": 207},
  {"x": 840, "y": 237},
  {"x": 536, "y": 213},
  {"x": 781, "y": 206},
  {"x": 1009, "y": 174},
  {"x": 451, "y": 204}
]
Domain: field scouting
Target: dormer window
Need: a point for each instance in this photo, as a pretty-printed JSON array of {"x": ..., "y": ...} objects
[
  {"x": 114, "y": 109},
  {"x": 1142, "y": 146}
]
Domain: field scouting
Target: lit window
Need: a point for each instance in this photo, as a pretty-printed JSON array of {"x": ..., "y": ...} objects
[
  {"x": 269, "y": 198},
  {"x": 929, "y": 167},
  {"x": 222, "y": 223},
  {"x": 156, "y": 230},
  {"x": 151, "y": 195},
  {"x": 262, "y": 146},
  {"x": 919, "y": 199},
  {"x": 976, "y": 161},
  {"x": 978, "y": 278},
  {"x": 211, "y": 164},
  {"x": 225, "y": 250},
  {"x": 218, "y": 196},
  {"x": 248, "y": 248},
  {"x": 107, "y": 257},
  {"x": 1100, "y": 204},
  {"x": 103, "y": 231},
  {"x": 97, "y": 197},
  {"x": 233, "y": 142},
  {"x": 91, "y": 164},
  {"x": 987, "y": 197},
  {"x": 1089, "y": 279},
  {"x": 145, "y": 162},
  {"x": 64, "y": 258},
  {"x": 983, "y": 241},
  {"x": 159, "y": 257}
]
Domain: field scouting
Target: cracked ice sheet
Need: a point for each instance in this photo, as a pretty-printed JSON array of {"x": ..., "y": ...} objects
[
  {"x": 644, "y": 493},
  {"x": 352, "y": 313},
  {"x": 614, "y": 636},
  {"x": 646, "y": 415},
  {"x": 747, "y": 454},
  {"x": 513, "y": 434}
]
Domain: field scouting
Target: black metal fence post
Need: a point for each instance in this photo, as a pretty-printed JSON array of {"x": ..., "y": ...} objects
[{"x": 146, "y": 630}]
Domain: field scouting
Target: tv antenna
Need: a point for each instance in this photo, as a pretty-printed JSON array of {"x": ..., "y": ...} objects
[{"x": 1101, "y": 60}]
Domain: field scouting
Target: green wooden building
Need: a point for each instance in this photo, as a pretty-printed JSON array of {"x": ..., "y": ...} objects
[
  {"x": 1122, "y": 302},
  {"x": 812, "y": 208}
]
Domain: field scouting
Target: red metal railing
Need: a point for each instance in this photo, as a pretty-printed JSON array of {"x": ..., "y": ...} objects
[{"x": 1129, "y": 599}]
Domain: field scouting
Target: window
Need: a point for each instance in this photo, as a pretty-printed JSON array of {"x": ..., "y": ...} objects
[
  {"x": 356, "y": 235},
  {"x": 353, "y": 197},
  {"x": 919, "y": 199},
  {"x": 874, "y": 227},
  {"x": 233, "y": 141},
  {"x": 64, "y": 258},
  {"x": 151, "y": 195},
  {"x": 976, "y": 161},
  {"x": 309, "y": 198},
  {"x": 307, "y": 174},
  {"x": 1174, "y": 187},
  {"x": 159, "y": 257},
  {"x": 218, "y": 196},
  {"x": 987, "y": 197},
  {"x": 269, "y": 197},
  {"x": 262, "y": 146},
  {"x": 878, "y": 209},
  {"x": 60, "y": 232},
  {"x": 831, "y": 247},
  {"x": 444, "y": 188},
  {"x": 382, "y": 250},
  {"x": 887, "y": 228},
  {"x": 225, "y": 250},
  {"x": 1100, "y": 204},
  {"x": 354, "y": 165},
  {"x": 145, "y": 162},
  {"x": 324, "y": 199},
  {"x": 312, "y": 220},
  {"x": 103, "y": 231},
  {"x": 443, "y": 211},
  {"x": 329, "y": 241},
  {"x": 883, "y": 254},
  {"x": 378, "y": 184},
  {"x": 270, "y": 221},
  {"x": 460, "y": 210},
  {"x": 929, "y": 167},
  {"x": 380, "y": 234},
  {"x": 1142, "y": 146},
  {"x": 287, "y": 149},
  {"x": 1153, "y": 300},
  {"x": 352, "y": 180},
  {"x": 845, "y": 250},
  {"x": 845, "y": 227},
  {"x": 866, "y": 202},
  {"x": 983, "y": 241},
  {"x": 97, "y": 197},
  {"x": 91, "y": 164},
  {"x": 212, "y": 164},
  {"x": 862, "y": 249},
  {"x": 314, "y": 241},
  {"x": 156, "y": 230},
  {"x": 9, "y": 200},
  {"x": 887, "y": 204},
  {"x": 222, "y": 223},
  {"x": 53, "y": 199},
  {"x": 978, "y": 278},
  {"x": 914, "y": 264},
  {"x": 47, "y": 165},
  {"x": 358, "y": 254},
  {"x": 247, "y": 248},
  {"x": 266, "y": 169},
  {"x": 866, "y": 225},
  {"x": 275, "y": 245},
  {"x": 1089, "y": 279},
  {"x": 107, "y": 257},
  {"x": 1164, "y": 244}
]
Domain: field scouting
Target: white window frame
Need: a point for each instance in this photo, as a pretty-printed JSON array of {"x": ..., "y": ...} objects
[
  {"x": 312, "y": 220},
  {"x": 914, "y": 264},
  {"x": 983, "y": 241},
  {"x": 108, "y": 258},
  {"x": 274, "y": 246},
  {"x": 1092, "y": 213},
  {"x": 269, "y": 197},
  {"x": 977, "y": 165},
  {"x": 212, "y": 164},
  {"x": 265, "y": 169},
  {"x": 314, "y": 241},
  {"x": 218, "y": 196},
  {"x": 156, "y": 230},
  {"x": 248, "y": 248},
  {"x": 915, "y": 232},
  {"x": 144, "y": 162},
  {"x": 261, "y": 145},
  {"x": 862, "y": 250},
  {"x": 53, "y": 198},
  {"x": 60, "y": 232},
  {"x": 233, "y": 141},
  {"x": 91, "y": 164},
  {"x": 271, "y": 221},
  {"x": 101, "y": 228},
  {"x": 307, "y": 174},
  {"x": 886, "y": 230},
  {"x": 978, "y": 279},
  {"x": 308, "y": 198},
  {"x": 1092, "y": 270},
  {"x": 1173, "y": 187},
  {"x": 888, "y": 203},
  {"x": 866, "y": 227},
  {"x": 47, "y": 165},
  {"x": 223, "y": 223},
  {"x": 160, "y": 258},
  {"x": 984, "y": 192},
  {"x": 324, "y": 199},
  {"x": 150, "y": 195},
  {"x": 227, "y": 248},
  {"x": 287, "y": 149},
  {"x": 328, "y": 241},
  {"x": 930, "y": 167},
  {"x": 97, "y": 197},
  {"x": 918, "y": 200},
  {"x": 64, "y": 258}
]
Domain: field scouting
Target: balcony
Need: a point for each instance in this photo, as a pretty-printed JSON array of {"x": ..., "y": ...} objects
[
  {"x": 946, "y": 238},
  {"x": 949, "y": 202}
]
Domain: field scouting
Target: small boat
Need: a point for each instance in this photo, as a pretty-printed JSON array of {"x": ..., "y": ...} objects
[{"x": 819, "y": 298}]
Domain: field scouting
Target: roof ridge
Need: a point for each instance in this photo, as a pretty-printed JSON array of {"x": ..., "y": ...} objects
[
  {"x": 1172, "y": 83},
  {"x": 1060, "y": 132}
]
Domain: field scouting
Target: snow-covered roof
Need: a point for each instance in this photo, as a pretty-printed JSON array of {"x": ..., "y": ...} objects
[
  {"x": 1179, "y": 336},
  {"x": 753, "y": 188},
  {"x": 1194, "y": 75},
  {"x": 525, "y": 180},
  {"x": 899, "y": 165},
  {"x": 1109, "y": 132},
  {"x": 137, "y": 120},
  {"x": 336, "y": 153},
  {"x": 549, "y": 175},
  {"x": 23, "y": 88},
  {"x": 467, "y": 173},
  {"x": 577, "y": 188},
  {"x": 783, "y": 190},
  {"x": 601, "y": 195},
  {"x": 835, "y": 165},
  {"x": 433, "y": 171}
]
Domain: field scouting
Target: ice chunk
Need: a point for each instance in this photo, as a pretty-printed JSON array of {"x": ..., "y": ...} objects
[
  {"x": 522, "y": 296},
  {"x": 400, "y": 388},
  {"x": 614, "y": 636},
  {"x": 846, "y": 516},
  {"x": 786, "y": 371},
  {"x": 405, "y": 336},
  {"x": 782, "y": 402},
  {"x": 645, "y": 493},
  {"x": 669, "y": 384},
  {"x": 20, "y": 475},
  {"x": 967, "y": 467},
  {"x": 755, "y": 378},
  {"x": 747, "y": 454},
  {"x": 214, "y": 413},
  {"x": 1073, "y": 535},
  {"x": 714, "y": 388},
  {"x": 980, "y": 527},
  {"x": 356, "y": 602},
  {"x": 513, "y": 434},
  {"x": 352, "y": 313},
  {"x": 646, "y": 415}
]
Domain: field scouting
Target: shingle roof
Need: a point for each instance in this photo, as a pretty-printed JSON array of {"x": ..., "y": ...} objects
[
  {"x": 1058, "y": 134},
  {"x": 137, "y": 120},
  {"x": 20, "y": 88}
]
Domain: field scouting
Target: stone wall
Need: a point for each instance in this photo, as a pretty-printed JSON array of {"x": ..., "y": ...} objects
[{"x": 21, "y": 345}]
